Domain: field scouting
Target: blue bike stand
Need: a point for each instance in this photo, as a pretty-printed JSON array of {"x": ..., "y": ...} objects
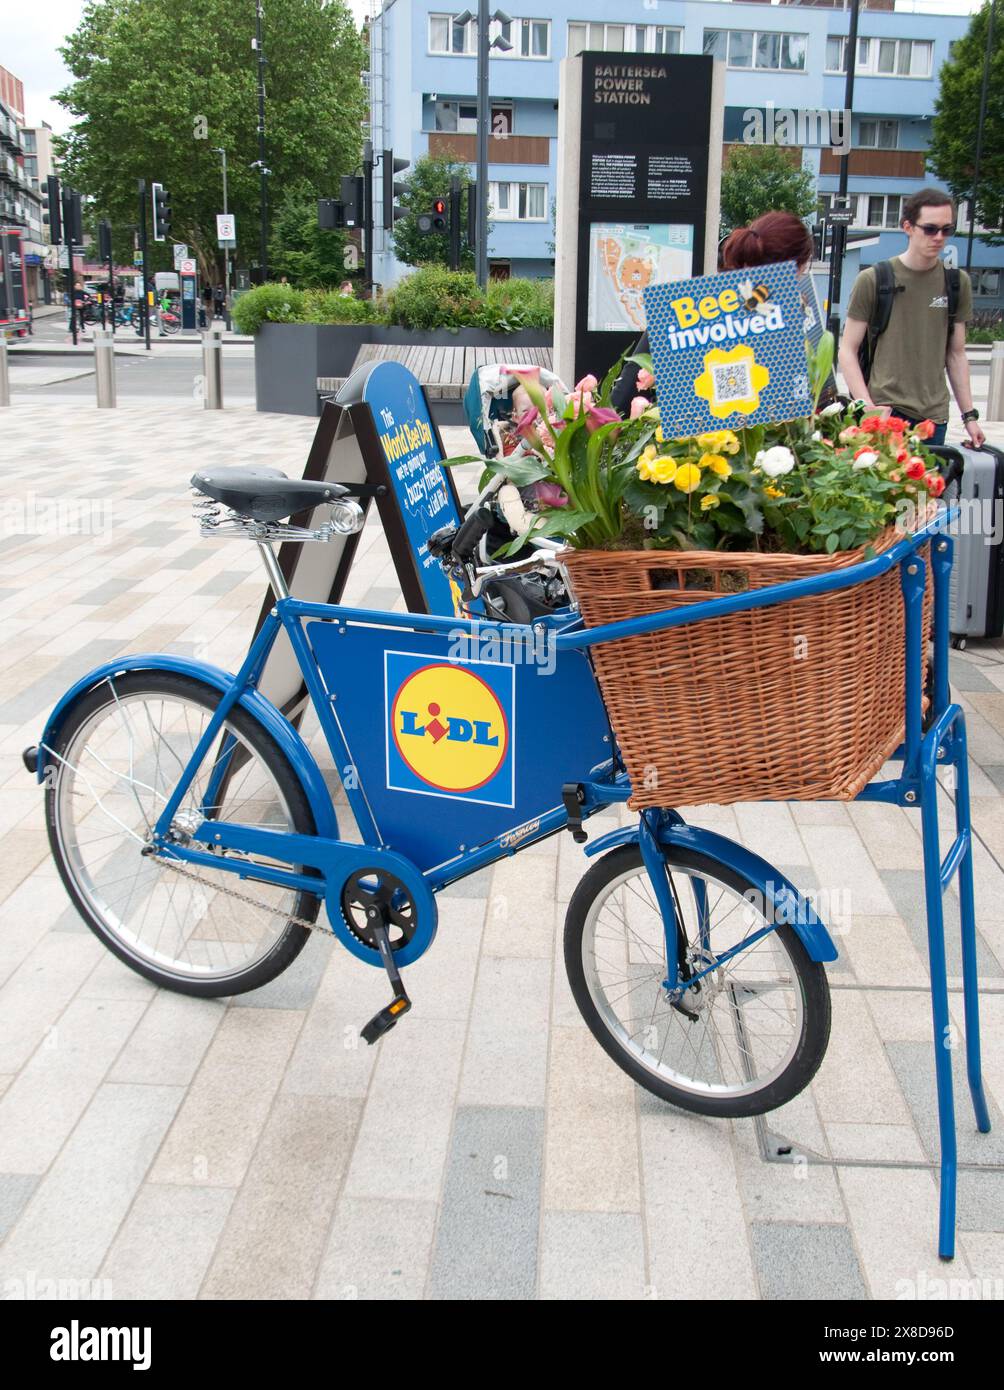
[{"x": 942, "y": 745}]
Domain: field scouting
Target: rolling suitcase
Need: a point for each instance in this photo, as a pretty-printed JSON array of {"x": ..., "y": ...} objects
[{"x": 977, "y": 584}]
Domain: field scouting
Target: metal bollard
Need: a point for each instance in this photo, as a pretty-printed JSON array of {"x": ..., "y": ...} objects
[
  {"x": 995, "y": 390},
  {"x": 104, "y": 368},
  {"x": 212, "y": 369},
  {"x": 4, "y": 373}
]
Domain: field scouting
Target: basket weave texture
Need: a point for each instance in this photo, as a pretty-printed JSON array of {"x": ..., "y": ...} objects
[{"x": 802, "y": 701}]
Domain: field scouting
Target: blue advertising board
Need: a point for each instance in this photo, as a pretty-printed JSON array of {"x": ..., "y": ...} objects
[
  {"x": 728, "y": 350},
  {"x": 413, "y": 459}
]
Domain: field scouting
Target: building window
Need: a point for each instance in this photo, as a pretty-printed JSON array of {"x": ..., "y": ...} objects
[
  {"x": 28, "y": 139},
  {"x": 884, "y": 210},
  {"x": 764, "y": 50},
  {"x": 622, "y": 38},
  {"x": 447, "y": 37},
  {"x": 878, "y": 135},
  {"x": 518, "y": 202},
  {"x": 882, "y": 57},
  {"x": 986, "y": 282},
  {"x": 461, "y": 117}
]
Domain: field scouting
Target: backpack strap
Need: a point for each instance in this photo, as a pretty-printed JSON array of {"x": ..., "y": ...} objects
[
  {"x": 885, "y": 292},
  {"x": 953, "y": 282}
]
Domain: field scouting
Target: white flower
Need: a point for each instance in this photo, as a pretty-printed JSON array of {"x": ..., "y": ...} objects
[
  {"x": 776, "y": 461},
  {"x": 866, "y": 459},
  {"x": 834, "y": 408},
  {"x": 817, "y": 436}
]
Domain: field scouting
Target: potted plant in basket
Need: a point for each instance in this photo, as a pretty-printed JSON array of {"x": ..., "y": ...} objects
[{"x": 797, "y": 700}]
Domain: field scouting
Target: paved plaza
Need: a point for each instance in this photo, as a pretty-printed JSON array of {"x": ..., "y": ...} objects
[{"x": 159, "y": 1146}]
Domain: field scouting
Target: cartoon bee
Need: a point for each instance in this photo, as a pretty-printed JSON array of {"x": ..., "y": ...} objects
[{"x": 756, "y": 298}]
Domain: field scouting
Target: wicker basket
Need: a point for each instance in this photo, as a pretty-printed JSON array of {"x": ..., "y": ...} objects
[{"x": 800, "y": 701}]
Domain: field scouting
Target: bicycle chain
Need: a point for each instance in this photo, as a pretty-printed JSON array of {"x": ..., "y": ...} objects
[{"x": 233, "y": 893}]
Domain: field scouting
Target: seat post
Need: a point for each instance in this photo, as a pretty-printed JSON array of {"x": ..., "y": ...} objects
[{"x": 276, "y": 578}]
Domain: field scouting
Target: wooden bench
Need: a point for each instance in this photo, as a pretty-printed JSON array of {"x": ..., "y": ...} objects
[{"x": 443, "y": 371}]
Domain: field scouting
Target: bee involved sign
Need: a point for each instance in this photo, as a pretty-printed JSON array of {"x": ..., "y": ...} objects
[{"x": 728, "y": 350}]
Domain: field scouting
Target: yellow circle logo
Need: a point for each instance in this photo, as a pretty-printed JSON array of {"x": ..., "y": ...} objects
[{"x": 449, "y": 728}]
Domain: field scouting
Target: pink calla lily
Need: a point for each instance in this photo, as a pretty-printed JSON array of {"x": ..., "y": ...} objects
[
  {"x": 599, "y": 416},
  {"x": 525, "y": 423},
  {"x": 550, "y": 495}
]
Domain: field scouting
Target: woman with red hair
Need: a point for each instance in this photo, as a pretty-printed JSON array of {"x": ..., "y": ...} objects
[{"x": 772, "y": 237}]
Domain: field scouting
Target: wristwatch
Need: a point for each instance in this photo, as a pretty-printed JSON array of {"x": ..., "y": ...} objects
[{"x": 968, "y": 415}]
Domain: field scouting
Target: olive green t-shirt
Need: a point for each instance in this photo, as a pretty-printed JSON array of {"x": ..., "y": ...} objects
[{"x": 909, "y": 367}]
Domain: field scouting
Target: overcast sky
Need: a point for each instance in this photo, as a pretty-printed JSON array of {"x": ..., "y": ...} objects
[{"x": 28, "y": 47}]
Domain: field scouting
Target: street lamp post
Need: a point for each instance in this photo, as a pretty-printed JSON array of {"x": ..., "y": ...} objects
[
  {"x": 485, "y": 45},
  {"x": 263, "y": 253},
  {"x": 218, "y": 149},
  {"x": 979, "y": 133},
  {"x": 839, "y": 244}
]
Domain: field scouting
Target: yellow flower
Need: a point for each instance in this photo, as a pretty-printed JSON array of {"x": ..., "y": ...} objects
[
  {"x": 665, "y": 471},
  {"x": 719, "y": 442},
  {"x": 660, "y": 436},
  {"x": 728, "y": 443},
  {"x": 709, "y": 440},
  {"x": 688, "y": 477},
  {"x": 649, "y": 452},
  {"x": 717, "y": 465},
  {"x": 711, "y": 500},
  {"x": 645, "y": 471},
  {"x": 773, "y": 492}
]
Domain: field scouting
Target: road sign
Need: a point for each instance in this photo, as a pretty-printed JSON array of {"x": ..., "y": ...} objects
[
  {"x": 187, "y": 267},
  {"x": 180, "y": 253},
  {"x": 137, "y": 258},
  {"x": 842, "y": 217},
  {"x": 226, "y": 228},
  {"x": 64, "y": 258}
]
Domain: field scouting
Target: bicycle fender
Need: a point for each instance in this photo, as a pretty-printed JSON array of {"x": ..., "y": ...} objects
[
  {"x": 777, "y": 892},
  {"x": 300, "y": 757}
]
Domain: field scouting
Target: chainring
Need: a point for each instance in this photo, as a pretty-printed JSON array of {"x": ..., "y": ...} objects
[{"x": 369, "y": 890}]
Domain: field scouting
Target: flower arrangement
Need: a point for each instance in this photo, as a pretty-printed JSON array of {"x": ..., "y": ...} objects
[{"x": 832, "y": 481}]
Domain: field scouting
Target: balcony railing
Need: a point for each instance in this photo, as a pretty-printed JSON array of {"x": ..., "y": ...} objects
[
  {"x": 502, "y": 149},
  {"x": 890, "y": 164}
]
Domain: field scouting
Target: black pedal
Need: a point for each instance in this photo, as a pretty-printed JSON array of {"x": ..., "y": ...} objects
[
  {"x": 572, "y": 797},
  {"x": 384, "y": 1021}
]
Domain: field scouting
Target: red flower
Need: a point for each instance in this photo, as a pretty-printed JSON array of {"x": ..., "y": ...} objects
[
  {"x": 902, "y": 456},
  {"x": 895, "y": 424},
  {"x": 872, "y": 424},
  {"x": 916, "y": 468},
  {"x": 924, "y": 430},
  {"x": 935, "y": 484}
]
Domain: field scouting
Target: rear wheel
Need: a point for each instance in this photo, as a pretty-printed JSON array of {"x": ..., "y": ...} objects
[
  {"x": 117, "y": 758},
  {"x": 746, "y": 1037}
]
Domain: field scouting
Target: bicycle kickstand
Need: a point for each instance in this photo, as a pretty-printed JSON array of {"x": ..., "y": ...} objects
[{"x": 384, "y": 1021}]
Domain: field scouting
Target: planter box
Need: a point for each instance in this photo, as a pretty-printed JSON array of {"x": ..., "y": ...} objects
[{"x": 289, "y": 357}]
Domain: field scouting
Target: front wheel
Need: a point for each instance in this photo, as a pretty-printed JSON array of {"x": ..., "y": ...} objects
[{"x": 747, "y": 1036}]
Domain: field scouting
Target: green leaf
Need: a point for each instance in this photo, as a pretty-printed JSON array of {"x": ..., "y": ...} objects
[
  {"x": 847, "y": 538},
  {"x": 832, "y": 542},
  {"x": 520, "y": 471}
]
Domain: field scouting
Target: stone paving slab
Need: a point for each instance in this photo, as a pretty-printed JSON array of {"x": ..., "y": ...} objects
[{"x": 168, "y": 1146}]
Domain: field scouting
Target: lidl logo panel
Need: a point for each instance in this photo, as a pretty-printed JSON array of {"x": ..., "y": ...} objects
[{"x": 450, "y": 728}]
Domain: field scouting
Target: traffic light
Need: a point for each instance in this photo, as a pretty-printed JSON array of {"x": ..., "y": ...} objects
[
  {"x": 440, "y": 215},
  {"x": 353, "y": 195},
  {"x": 73, "y": 225},
  {"x": 50, "y": 210},
  {"x": 105, "y": 239},
  {"x": 330, "y": 214},
  {"x": 161, "y": 212},
  {"x": 392, "y": 190}
]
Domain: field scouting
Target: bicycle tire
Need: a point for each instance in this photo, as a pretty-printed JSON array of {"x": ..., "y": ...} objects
[
  {"x": 168, "y": 685},
  {"x": 809, "y": 976}
]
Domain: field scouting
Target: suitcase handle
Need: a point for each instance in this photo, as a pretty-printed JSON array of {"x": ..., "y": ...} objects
[{"x": 950, "y": 462}]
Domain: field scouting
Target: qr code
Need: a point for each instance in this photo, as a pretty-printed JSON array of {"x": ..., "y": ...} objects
[
  {"x": 800, "y": 387},
  {"x": 733, "y": 381}
]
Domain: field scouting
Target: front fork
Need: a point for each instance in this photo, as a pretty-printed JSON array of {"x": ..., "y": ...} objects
[{"x": 655, "y": 863}]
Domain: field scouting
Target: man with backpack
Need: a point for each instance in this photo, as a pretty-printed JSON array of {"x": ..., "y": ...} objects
[{"x": 906, "y": 325}]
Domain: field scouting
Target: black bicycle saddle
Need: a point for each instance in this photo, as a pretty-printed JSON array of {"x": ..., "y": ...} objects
[{"x": 263, "y": 494}]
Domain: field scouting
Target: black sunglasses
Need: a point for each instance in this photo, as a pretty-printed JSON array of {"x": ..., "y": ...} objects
[{"x": 933, "y": 228}]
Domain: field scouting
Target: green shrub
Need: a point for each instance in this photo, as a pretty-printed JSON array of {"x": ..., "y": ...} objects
[
  {"x": 328, "y": 306},
  {"x": 514, "y": 304},
  {"x": 434, "y": 297},
  {"x": 269, "y": 304}
]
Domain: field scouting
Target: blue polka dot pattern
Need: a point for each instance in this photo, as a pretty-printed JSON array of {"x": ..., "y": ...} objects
[{"x": 713, "y": 381}]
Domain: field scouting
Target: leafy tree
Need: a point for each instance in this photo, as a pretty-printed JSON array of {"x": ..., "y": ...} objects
[
  {"x": 764, "y": 178},
  {"x": 956, "y": 117},
  {"x": 298, "y": 248},
  {"x": 159, "y": 83},
  {"x": 428, "y": 180}
]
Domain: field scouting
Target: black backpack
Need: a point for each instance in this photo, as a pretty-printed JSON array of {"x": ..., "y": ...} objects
[{"x": 885, "y": 291}]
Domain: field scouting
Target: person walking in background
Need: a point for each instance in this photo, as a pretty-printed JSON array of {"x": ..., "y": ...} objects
[
  {"x": 909, "y": 315},
  {"x": 219, "y": 301},
  {"x": 208, "y": 301}
]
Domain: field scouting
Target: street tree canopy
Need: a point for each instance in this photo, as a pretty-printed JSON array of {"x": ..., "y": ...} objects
[
  {"x": 159, "y": 83},
  {"x": 763, "y": 178},
  {"x": 952, "y": 149},
  {"x": 427, "y": 180}
]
